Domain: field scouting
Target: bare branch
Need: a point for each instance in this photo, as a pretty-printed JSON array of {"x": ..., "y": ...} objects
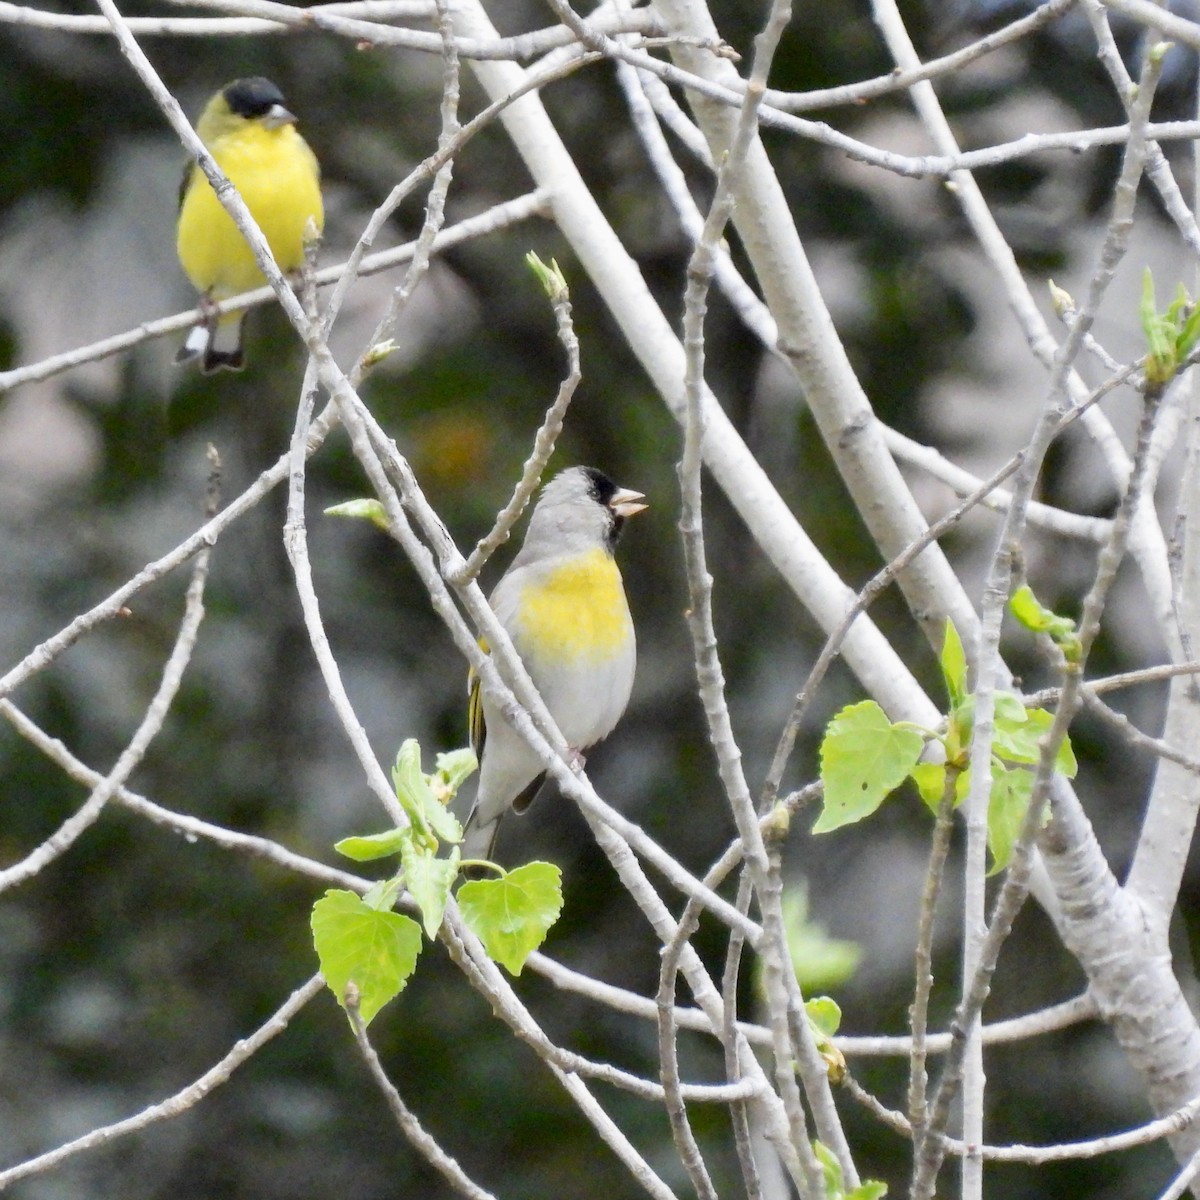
[
  {"x": 182, "y": 1100},
  {"x": 148, "y": 728},
  {"x": 445, "y": 1165},
  {"x": 543, "y": 444},
  {"x": 502, "y": 216},
  {"x": 188, "y": 827}
]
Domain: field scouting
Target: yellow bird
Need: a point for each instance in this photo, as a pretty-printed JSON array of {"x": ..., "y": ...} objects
[
  {"x": 563, "y": 604},
  {"x": 252, "y": 136}
]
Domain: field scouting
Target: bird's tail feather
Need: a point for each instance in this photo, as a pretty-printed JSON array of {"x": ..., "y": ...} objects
[{"x": 218, "y": 346}]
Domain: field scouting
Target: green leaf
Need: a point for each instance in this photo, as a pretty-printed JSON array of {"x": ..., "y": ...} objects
[
  {"x": 1170, "y": 335},
  {"x": 835, "y": 1183},
  {"x": 1031, "y": 613},
  {"x": 1064, "y": 761},
  {"x": 427, "y": 813},
  {"x": 956, "y": 740},
  {"x": 1159, "y": 348},
  {"x": 412, "y": 788},
  {"x": 1178, "y": 306},
  {"x": 824, "y": 1014},
  {"x": 830, "y": 1166},
  {"x": 871, "y": 1189},
  {"x": 1023, "y": 605},
  {"x": 1016, "y": 741},
  {"x": 429, "y": 880},
  {"x": 512, "y": 915},
  {"x": 954, "y": 664},
  {"x": 930, "y": 779},
  {"x": 376, "y": 951},
  {"x": 1021, "y": 743},
  {"x": 1007, "y": 708},
  {"x": 1011, "y": 792},
  {"x": 961, "y": 724},
  {"x": 383, "y": 894},
  {"x": 863, "y": 758},
  {"x": 832, "y": 1170},
  {"x": 378, "y": 352},
  {"x": 1148, "y": 305},
  {"x": 367, "y": 510},
  {"x": 550, "y": 277},
  {"x": 372, "y": 845},
  {"x": 442, "y": 821},
  {"x": 1190, "y": 332},
  {"x": 451, "y": 769},
  {"x": 1034, "y": 615},
  {"x": 821, "y": 961}
]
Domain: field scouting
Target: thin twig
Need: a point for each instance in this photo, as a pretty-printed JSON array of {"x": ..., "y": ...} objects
[
  {"x": 778, "y": 973},
  {"x": 295, "y": 541},
  {"x": 148, "y": 728},
  {"x": 918, "y": 1077},
  {"x": 444, "y": 1164},
  {"x": 433, "y": 166},
  {"x": 435, "y": 204},
  {"x": 1184, "y": 1180},
  {"x": 363, "y": 22},
  {"x": 1132, "y": 734},
  {"x": 935, "y": 68},
  {"x": 739, "y": 1114},
  {"x": 668, "y": 1057},
  {"x": 981, "y": 952},
  {"x": 42, "y": 655},
  {"x": 544, "y": 442},
  {"x": 501, "y": 216},
  {"x": 188, "y": 827},
  {"x": 181, "y": 1101},
  {"x": 485, "y": 977},
  {"x": 22, "y": 15},
  {"x": 885, "y": 577},
  {"x": 681, "y": 1130},
  {"x": 1113, "y": 1143}
]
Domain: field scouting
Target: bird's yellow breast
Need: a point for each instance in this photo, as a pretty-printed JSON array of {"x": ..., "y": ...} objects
[
  {"x": 277, "y": 176},
  {"x": 576, "y": 612}
]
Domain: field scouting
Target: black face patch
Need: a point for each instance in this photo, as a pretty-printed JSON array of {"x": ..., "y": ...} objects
[
  {"x": 254, "y": 97},
  {"x": 602, "y": 490},
  {"x": 601, "y": 487}
]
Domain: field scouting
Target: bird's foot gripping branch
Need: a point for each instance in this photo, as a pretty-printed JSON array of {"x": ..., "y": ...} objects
[{"x": 361, "y": 942}]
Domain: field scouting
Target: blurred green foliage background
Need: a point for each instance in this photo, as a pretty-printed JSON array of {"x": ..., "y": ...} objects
[{"x": 136, "y": 960}]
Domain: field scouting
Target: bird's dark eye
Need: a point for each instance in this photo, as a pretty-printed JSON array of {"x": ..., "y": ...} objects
[{"x": 252, "y": 97}]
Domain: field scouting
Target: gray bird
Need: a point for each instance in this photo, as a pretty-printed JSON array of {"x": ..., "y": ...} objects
[{"x": 563, "y": 604}]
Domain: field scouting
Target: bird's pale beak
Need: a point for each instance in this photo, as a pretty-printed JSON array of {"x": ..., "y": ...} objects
[
  {"x": 626, "y": 503},
  {"x": 277, "y": 115}
]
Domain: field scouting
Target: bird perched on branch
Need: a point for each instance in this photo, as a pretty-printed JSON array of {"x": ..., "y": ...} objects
[
  {"x": 252, "y": 136},
  {"x": 563, "y": 604}
]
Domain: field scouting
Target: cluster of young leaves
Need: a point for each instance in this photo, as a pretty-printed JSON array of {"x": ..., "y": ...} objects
[
  {"x": 1034, "y": 615},
  {"x": 1171, "y": 336},
  {"x": 865, "y": 756},
  {"x": 361, "y": 940},
  {"x": 824, "y": 1016}
]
